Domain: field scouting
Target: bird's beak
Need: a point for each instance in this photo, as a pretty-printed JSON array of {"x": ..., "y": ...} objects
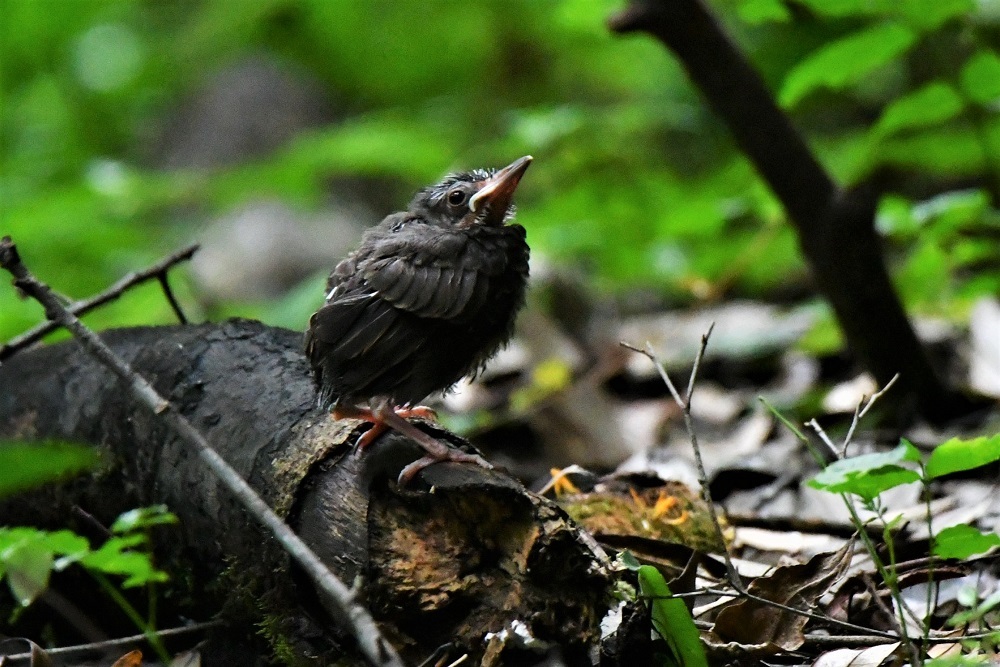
[{"x": 498, "y": 191}]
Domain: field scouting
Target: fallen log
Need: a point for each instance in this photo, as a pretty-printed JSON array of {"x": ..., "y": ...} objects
[{"x": 460, "y": 553}]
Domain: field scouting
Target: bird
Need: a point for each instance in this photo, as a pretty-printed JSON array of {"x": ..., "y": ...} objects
[{"x": 427, "y": 298}]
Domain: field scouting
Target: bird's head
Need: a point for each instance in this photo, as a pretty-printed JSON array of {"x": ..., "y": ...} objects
[{"x": 481, "y": 196}]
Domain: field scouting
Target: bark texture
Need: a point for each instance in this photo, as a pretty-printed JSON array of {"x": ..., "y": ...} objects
[{"x": 461, "y": 552}]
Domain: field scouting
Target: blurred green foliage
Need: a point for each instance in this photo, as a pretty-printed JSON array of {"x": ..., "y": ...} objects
[
  {"x": 635, "y": 180},
  {"x": 23, "y": 466}
]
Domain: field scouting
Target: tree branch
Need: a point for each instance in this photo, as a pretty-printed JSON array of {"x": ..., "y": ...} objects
[
  {"x": 157, "y": 271},
  {"x": 835, "y": 227},
  {"x": 375, "y": 648}
]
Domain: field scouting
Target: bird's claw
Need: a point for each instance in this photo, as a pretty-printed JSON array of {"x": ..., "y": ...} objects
[{"x": 407, "y": 474}]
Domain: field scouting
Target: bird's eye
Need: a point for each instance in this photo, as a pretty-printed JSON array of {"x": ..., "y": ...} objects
[{"x": 456, "y": 197}]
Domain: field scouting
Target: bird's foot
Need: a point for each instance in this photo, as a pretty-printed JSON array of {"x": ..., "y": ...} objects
[
  {"x": 407, "y": 473},
  {"x": 379, "y": 425},
  {"x": 384, "y": 417},
  {"x": 436, "y": 450}
]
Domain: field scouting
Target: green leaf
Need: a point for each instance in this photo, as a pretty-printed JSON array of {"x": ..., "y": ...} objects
[
  {"x": 948, "y": 211},
  {"x": 895, "y": 217},
  {"x": 981, "y": 77},
  {"x": 756, "y": 12},
  {"x": 671, "y": 619},
  {"x": 925, "y": 278},
  {"x": 869, "y": 474},
  {"x": 977, "y": 612},
  {"x": 142, "y": 518},
  {"x": 927, "y": 16},
  {"x": 27, "y": 565},
  {"x": 933, "y": 104},
  {"x": 27, "y": 556},
  {"x": 956, "y": 455},
  {"x": 946, "y": 150},
  {"x": 846, "y": 61},
  {"x": 115, "y": 557},
  {"x": 823, "y": 338},
  {"x": 963, "y": 541},
  {"x": 26, "y": 465},
  {"x": 628, "y": 560}
]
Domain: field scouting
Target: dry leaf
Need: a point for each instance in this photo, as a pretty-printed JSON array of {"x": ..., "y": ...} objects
[
  {"x": 872, "y": 656},
  {"x": 751, "y": 622},
  {"x": 130, "y": 659}
]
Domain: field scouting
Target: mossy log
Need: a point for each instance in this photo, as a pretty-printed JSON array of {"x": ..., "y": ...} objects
[{"x": 459, "y": 553}]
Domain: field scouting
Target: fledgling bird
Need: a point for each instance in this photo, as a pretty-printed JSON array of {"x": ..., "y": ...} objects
[{"x": 428, "y": 297}]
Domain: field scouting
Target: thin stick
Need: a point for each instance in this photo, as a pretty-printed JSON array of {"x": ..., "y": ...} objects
[
  {"x": 171, "y": 299},
  {"x": 685, "y": 405},
  {"x": 108, "y": 644},
  {"x": 373, "y": 645},
  {"x": 733, "y": 575},
  {"x": 869, "y": 543},
  {"x": 897, "y": 626},
  {"x": 862, "y": 409},
  {"x": 156, "y": 271}
]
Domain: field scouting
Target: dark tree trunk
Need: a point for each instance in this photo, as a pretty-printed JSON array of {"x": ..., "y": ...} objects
[
  {"x": 835, "y": 226},
  {"x": 461, "y": 552}
]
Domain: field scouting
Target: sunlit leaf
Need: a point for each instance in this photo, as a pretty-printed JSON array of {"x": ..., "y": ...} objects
[
  {"x": 840, "y": 8},
  {"x": 27, "y": 556},
  {"x": 963, "y": 541},
  {"x": 27, "y": 564},
  {"x": 824, "y": 337},
  {"x": 956, "y": 455},
  {"x": 981, "y": 77},
  {"x": 869, "y": 474},
  {"x": 934, "y": 103},
  {"x": 142, "y": 518},
  {"x": 26, "y": 465},
  {"x": 951, "y": 210},
  {"x": 843, "y": 62}
]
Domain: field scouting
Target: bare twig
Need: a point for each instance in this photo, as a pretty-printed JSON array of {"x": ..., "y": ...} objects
[
  {"x": 171, "y": 299},
  {"x": 862, "y": 410},
  {"x": 880, "y": 603},
  {"x": 69, "y": 652},
  {"x": 888, "y": 573},
  {"x": 733, "y": 575},
  {"x": 825, "y": 439},
  {"x": 157, "y": 271},
  {"x": 685, "y": 405},
  {"x": 373, "y": 645}
]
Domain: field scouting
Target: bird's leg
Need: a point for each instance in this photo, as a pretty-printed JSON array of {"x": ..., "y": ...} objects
[
  {"x": 379, "y": 425},
  {"x": 437, "y": 451},
  {"x": 364, "y": 414}
]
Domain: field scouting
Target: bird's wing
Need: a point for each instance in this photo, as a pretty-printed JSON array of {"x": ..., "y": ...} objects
[
  {"x": 356, "y": 325},
  {"x": 435, "y": 276}
]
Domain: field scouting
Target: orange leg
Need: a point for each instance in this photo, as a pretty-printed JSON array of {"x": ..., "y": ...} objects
[
  {"x": 384, "y": 416},
  {"x": 379, "y": 425}
]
